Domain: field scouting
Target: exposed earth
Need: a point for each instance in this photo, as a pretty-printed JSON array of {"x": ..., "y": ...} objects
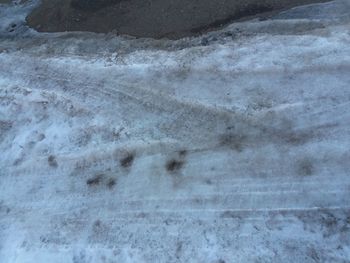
[{"x": 149, "y": 18}]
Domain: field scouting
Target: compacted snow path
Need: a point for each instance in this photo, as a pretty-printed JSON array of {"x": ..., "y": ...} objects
[{"x": 229, "y": 147}]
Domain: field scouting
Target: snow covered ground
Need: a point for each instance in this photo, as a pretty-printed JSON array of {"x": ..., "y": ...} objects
[{"x": 229, "y": 147}]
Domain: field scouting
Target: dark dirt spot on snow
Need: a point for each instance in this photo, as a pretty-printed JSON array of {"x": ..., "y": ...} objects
[
  {"x": 111, "y": 183},
  {"x": 96, "y": 180},
  {"x": 52, "y": 161},
  {"x": 183, "y": 153},
  {"x": 208, "y": 182},
  {"x": 5, "y": 126},
  {"x": 127, "y": 160},
  {"x": 174, "y": 165},
  {"x": 305, "y": 167},
  {"x": 234, "y": 141},
  {"x": 178, "y": 249},
  {"x": 230, "y": 214}
]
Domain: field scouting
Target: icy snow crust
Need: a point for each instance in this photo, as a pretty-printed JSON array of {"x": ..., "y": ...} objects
[{"x": 230, "y": 147}]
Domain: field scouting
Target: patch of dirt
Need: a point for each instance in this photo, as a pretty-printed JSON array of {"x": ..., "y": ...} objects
[
  {"x": 52, "y": 161},
  {"x": 127, "y": 160},
  {"x": 174, "y": 165},
  {"x": 152, "y": 18},
  {"x": 96, "y": 180}
]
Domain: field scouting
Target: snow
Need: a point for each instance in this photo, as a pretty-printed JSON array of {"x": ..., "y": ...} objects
[{"x": 254, "y": 123}]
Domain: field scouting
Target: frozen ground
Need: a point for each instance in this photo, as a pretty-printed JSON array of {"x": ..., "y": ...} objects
[{"x": 230, "y": 147}]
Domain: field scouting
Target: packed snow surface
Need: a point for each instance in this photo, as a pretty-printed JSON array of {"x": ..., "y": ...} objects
[{"x": 229, "y": 147}]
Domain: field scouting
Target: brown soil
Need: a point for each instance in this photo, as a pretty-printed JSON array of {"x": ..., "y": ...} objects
[{"x": 148, "y": 18}]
